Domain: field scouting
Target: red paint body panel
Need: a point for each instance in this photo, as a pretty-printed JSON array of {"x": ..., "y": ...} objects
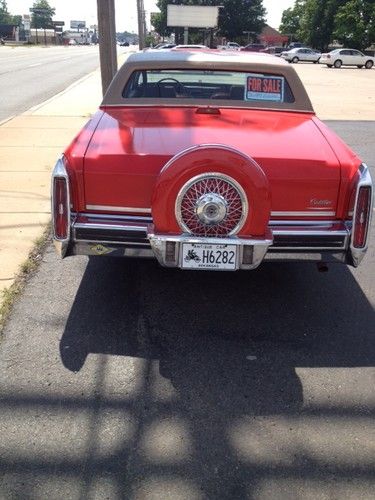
[
  {"x": 130, "y": 146},
  {"x": 74, "y": 155},
  {"x": 349, "y": 163}
]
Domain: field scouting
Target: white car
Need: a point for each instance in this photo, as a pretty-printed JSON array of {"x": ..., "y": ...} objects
[
  {"x": 229, "y": 46},
  {"x": 347, "y": 57},
  {"x": 303, "y": 54},
  {"x": 190, "y": 47}
]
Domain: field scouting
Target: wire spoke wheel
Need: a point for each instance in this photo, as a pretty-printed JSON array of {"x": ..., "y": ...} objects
[{"x": 211, "y": 205}]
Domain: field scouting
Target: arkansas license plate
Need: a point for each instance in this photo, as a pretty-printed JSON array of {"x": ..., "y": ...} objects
[{"x": 209, "y": 256}]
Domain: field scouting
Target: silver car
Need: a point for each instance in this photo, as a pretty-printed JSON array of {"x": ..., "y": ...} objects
[
  {"x": 303, "y": 54},
  {"x": 347, "y": 57}
]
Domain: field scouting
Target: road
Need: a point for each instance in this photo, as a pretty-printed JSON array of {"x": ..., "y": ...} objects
[
  {"x": 120, "y": 379},
  {"x": 30, "y": 75}
]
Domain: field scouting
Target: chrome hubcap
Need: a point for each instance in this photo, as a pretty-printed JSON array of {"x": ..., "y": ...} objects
[{"x": 211, "y": 208}]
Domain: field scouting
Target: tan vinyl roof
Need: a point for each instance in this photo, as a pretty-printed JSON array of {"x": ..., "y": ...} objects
[{"x": 208, "y": 60}]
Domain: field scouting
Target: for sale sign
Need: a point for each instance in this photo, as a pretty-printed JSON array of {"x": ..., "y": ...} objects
[{"x": 264, "y": 88}]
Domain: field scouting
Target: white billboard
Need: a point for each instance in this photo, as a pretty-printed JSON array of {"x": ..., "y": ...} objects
[
  {"x": 77, "y": 24},
  {"x": 189, "y": 16}
]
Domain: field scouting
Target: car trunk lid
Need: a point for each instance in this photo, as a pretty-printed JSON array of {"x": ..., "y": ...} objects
[{"x": 131, "y": 146}]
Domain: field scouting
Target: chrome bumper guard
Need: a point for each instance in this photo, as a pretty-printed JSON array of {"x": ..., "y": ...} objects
[
  {"x": 131, "y": 236},
  {"x": 167, "y": 248}
]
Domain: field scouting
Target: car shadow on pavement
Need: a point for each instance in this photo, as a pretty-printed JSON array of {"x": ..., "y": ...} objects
[{"x": 222, "y": 353}]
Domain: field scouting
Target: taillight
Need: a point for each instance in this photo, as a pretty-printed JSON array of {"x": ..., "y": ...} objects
[
  {"x": 60, "y": 201},
  {"x": 362, "y": 217},
  {"x": 60, "y": 208}
]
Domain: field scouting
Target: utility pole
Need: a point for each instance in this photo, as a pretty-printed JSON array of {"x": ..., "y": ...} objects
[
  {"x": 141, "y": 24},
  {"x": 107, "y": 41}
]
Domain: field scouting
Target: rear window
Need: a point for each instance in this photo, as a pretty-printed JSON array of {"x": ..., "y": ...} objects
[{"x": 208, "y": 84}]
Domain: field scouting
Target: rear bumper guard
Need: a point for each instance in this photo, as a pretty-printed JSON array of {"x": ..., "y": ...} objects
[{"x": 132, "y": 236}]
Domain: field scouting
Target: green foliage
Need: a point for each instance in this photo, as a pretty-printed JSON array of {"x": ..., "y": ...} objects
[
  {"x": 320, "y": 22},
  {"x": 5, "y": 17},
  {"x": 355, "y": 24},
  {"x": 241, "y": 15},
  {"x": 291, "y": 19},
  {"x": 235, "y": 17},
  {"x": 42, "y": 19},
  {"x": 16, "y": 20}
]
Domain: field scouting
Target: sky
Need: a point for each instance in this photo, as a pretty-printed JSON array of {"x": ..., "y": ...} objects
[{"x": 126, "y": 12}]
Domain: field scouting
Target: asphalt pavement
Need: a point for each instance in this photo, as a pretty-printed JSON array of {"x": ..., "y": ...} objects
[
  {"x": 120, "y": 379},
  {"x": 30, "y": 75}
]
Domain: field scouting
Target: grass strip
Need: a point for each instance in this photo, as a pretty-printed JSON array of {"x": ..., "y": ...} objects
[{"x": 10, "y": 294}]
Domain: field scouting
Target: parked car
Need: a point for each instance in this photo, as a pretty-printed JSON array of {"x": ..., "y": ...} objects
[
  {"x": 253, "y": 47},
  {"x": 229, "y": 46},
  {"x": 294, "y": 45},
  {"x": 124, "y": 44},
  {"x": 301, "y": 54},
  {"x": 347, "y": 57},
  {"x": 190, "y": 47},
  {"x": 210, "y": 161},
  {"x": 276, "y": 51},
  {"x": 160, "y": 46},
  {"x": 165, "y": 46}
]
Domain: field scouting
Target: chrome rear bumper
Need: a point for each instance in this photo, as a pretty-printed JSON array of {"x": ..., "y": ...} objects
[{"x": 133, "y": 236}]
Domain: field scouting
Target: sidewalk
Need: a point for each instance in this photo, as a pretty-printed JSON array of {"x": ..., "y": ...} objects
[{"x": 29, "y": 147}]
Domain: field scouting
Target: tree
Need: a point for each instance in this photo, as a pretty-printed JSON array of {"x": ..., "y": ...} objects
[
  {"x": 17, "y": 20},
  {"x": 354, "y": 24},
  {"x": 5, "y": 17},
  {"x": 291, "y": 19},
  {"x": 235, "y": 17},
  {"x": 238, "y": 16},
  {"x": 313, "y": 21},
  {"x": 42, "y": 15}
]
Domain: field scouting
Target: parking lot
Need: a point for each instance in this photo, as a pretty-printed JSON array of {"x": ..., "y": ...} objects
[
  {"x": 120, "y": 379},
  {"x": 339, "y": 94}
]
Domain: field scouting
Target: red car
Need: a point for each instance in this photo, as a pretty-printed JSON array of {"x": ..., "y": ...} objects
[
  {"x": 207, "y": 160},
  {"x": 253, "y": 47}
]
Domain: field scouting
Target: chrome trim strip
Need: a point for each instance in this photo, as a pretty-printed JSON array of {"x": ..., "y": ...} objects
[
  {"x": 329, "y": 256},
  {"x": 84, "y": 225},
  {"x": 119, "y": 209},
  {"x": 312, "y": 213},
  {"x": 125, "y": 218},
  {"x": 111, "y": 242},
  {"x": 315, "y": 223}
]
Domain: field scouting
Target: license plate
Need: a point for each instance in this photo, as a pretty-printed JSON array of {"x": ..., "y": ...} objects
[{"x": 209, "y": 256}]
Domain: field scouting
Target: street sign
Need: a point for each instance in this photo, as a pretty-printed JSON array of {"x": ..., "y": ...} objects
[
  {"x": 35, "y": 10},
  {"x": 58, "y": 23}
]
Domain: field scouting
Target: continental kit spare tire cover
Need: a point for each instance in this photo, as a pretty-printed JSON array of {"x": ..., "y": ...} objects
[{"x": 211, "y": 191}]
